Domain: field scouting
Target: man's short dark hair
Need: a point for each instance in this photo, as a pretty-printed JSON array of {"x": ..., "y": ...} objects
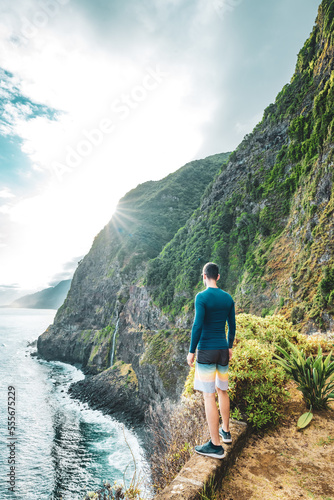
[{"x": 211, "y": 270}]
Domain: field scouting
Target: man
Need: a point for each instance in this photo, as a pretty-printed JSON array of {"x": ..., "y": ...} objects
[{"x": 213, "y": 307}]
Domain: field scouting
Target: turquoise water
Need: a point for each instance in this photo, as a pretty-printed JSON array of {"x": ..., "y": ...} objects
[{"x": 61, "y": 447}]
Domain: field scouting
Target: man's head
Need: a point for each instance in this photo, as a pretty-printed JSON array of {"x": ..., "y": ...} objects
[{"x": 211, "y": 271}]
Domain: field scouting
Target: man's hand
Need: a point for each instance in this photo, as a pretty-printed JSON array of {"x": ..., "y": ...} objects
[
  {"x": 229, "y": 354},
  {"x": 190, "y": 359}
]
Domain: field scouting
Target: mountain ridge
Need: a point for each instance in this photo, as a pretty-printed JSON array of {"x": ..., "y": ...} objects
[{"x": 49, "y": 298}]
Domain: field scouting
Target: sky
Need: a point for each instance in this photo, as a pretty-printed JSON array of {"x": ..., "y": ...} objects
[{"x": 99, "y": 96}]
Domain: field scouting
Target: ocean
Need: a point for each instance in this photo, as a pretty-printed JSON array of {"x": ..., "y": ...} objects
[{"x": 53, "y": 447}]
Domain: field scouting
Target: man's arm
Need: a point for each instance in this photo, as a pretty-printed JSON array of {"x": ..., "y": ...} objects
[
  {"x": 198, "y": 324},
  {"x": 231, "y": 327}
]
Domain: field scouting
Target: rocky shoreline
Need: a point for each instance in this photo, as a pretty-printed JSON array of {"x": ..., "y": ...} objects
[{"x": 114, "y": 392}]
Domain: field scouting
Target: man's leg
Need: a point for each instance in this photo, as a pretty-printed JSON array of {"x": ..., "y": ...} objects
[
  {"x": 224, "y": 406},
  {"x": 212, "y": 416},
  {"x": 205, "y": 381}
]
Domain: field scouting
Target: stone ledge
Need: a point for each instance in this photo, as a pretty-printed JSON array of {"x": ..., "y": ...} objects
[{"x": 199, "y": 470}]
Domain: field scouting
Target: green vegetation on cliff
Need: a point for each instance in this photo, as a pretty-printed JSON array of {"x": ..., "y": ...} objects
[
  {"x": 148, "y": 216},
  {"x": 161, "y": 350},
  {"x": 268, "y": 218}
]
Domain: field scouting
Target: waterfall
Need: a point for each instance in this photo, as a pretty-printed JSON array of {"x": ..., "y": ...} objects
[{"x": 113, "y": 343}]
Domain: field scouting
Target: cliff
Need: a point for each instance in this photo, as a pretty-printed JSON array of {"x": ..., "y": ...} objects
[
  {"x": 108, "y": 318},
  {"x": 266, "y": 217}
]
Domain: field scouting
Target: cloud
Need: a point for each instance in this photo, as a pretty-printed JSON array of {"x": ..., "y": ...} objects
[
  {"x": 6, "y": 193},
  {"x": 216, "y": 57},
  {"x": 9, "y": 287},
  {"x": 25, "y": 121},
  {"x": 5, "y": 209}
]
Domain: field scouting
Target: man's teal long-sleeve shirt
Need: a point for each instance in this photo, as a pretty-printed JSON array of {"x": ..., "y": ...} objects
[{"x": 213, "y": 307}]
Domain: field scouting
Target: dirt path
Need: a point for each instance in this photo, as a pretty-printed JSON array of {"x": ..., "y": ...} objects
[{"x": 286, "y": 463}]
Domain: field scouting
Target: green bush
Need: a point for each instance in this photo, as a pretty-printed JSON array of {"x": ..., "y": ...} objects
[
  {"x": 297, "y": 314},
  {"x": 314, "y": 375},
  {"x": 326, "y": 285},
  {"x": 270, "y": 330},
  {"x": 324, "y": 297},
  {"x": 256, "y": 384}
]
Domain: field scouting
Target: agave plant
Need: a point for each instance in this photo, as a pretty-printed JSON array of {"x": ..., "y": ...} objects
[{"x": 314, "y": 375}]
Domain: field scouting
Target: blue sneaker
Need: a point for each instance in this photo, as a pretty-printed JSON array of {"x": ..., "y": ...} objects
[
  {"x": 210, "y": 450},
  {"x": 227, "y": 438}
]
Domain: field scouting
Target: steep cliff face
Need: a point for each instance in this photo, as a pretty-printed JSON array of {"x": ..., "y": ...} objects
[
  {"x": 266, "y": 217},
  {"x": 108, "y": 315}
]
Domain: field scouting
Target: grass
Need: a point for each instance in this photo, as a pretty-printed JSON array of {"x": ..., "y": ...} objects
[{"x": 326, "y": 441}]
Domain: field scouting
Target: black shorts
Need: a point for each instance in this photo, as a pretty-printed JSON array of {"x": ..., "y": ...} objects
[{"x": 215, "y": 356}]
